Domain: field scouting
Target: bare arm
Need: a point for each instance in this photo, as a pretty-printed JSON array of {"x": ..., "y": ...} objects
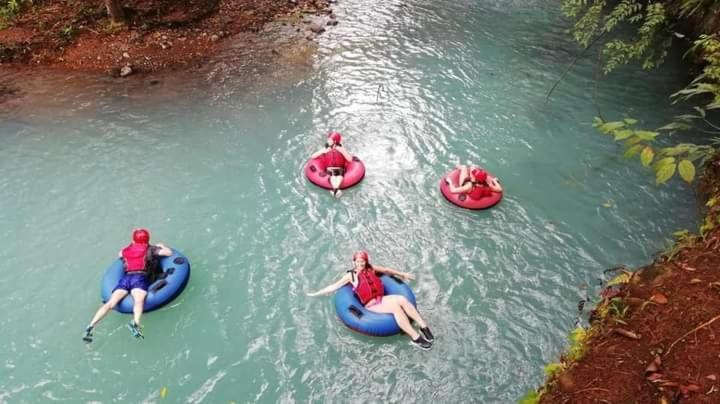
[
  {"x": 404, "y": 275},
  {"x": 319, "y": 153},
  {"x": 163, "y": 250},
  {"x": 331, "y": 288}
]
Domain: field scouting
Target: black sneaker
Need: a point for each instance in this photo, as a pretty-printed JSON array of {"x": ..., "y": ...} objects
[
  {"x": 422, "y": 343},
  {"x": 88, "y": 335},
  {"x": 427, "y": 334},
  {"x": 135, "y": 330}
]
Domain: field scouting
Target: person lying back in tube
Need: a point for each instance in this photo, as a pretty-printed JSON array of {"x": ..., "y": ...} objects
[
  {"x": 336, "y": 158},
  {"x": 474, "y": 182},
  {"x": 369, "y": 289}
]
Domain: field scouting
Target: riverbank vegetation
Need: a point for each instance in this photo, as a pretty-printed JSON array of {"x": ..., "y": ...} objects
[
  {"x": 127, "y": 36},
  {"x": 653, "y": 334}
]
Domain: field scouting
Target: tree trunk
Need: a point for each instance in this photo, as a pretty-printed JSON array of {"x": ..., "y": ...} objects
[{"x": 115, "y": 11}]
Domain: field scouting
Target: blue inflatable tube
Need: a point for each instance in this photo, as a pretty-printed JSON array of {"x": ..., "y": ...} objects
[
  {"x": 362, "y": 320},
  {"x": 167, "y": 286}
]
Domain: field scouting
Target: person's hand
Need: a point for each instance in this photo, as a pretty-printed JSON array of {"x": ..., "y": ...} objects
[
  {"x": 407, "y": 276},
  {"x": 311, "y": 294},
  {"x": 447, "y": 180}
]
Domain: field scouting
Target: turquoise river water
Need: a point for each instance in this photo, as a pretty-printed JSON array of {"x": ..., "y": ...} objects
[{"x": 211, "y": 161}]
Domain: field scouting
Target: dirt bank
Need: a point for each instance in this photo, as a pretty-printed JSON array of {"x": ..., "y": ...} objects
[
  {"x": 656, "y": 333},
  {"x": 158, "y": 34}
]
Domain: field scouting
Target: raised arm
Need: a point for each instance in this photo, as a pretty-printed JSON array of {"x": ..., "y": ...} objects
[
  {"x": 404, "y": 275},
  {"x": 333, "y": 287}
]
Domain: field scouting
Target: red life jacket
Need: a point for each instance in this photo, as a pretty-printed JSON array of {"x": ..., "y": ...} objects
[
  {"x": 369, "y": 286},
  {"x": 134, "y": 256},
  {"x": 479, "y": 191},
  {"x": 334, "y": 158}
]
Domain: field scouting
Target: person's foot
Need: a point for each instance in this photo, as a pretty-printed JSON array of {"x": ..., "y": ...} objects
[
  {"x": 135, "y": 330},
  {"x": 427, "y": 334},
  {"x": 88, "y": 337},
  {"x": 338, "y": 193},
  {"x": 421, "y": 343}
]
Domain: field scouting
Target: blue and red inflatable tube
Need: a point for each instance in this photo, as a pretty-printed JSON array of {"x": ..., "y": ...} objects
[
  {"x": 169, "y": 284},
  {"x": 358, "y": 318}
]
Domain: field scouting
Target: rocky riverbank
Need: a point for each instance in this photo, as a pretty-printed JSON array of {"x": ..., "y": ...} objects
[{"x": 157, "y": 35}]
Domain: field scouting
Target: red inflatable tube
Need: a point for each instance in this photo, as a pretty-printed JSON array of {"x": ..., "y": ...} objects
[
  {"x": 463, "y": 200},
  {"x": 315, "y": 172}
]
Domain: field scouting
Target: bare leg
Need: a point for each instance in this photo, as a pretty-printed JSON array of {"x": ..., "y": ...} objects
[
  {"x": 335, "y": 181},
  {"x": 390, "y": 305},
  {"x": 411, "y": 311},
  {"x": 139, "y": 296},
  {"x": 463, "y": 174},
  {"x": 115, "y": 298}
]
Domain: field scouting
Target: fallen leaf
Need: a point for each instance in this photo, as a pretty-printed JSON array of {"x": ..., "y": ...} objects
[
  {"x": 715, "y": 285},
  {"x": 607, "y": 205},
  {"x": 655, "y": 377},
  {"x": 669, "y": 384},
  {"x": 687, "y": 267},
  {"x": 654, "y": 366},
  {"x": 694, "y": 388},
  {"x": 626, "y": 333},
  {"x": 163, "y": 392},
  {"x": 711, "y": 377},
  {"x": 695, "y": 280},
  {"x": 659, "y": 298}
]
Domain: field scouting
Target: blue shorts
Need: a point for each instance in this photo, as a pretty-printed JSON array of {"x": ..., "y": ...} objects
[{"x": 133, "y": 281}]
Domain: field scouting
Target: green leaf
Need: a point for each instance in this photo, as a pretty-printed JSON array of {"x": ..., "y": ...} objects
[
  {"x": 608, "y": 127},
  {"x": 622, "y": 134},
  {"x": 664, "y": 172},
  {"x": 531, "y": 397},
  {"x": 630, "y": 121},
  {"x": 578, "y": 335},
  {"x": 686, "y": 170},
  {"x": 647, "y": 155},
  {"x": 632, "y": 151},
  {"x": 621, "y": 279},
  {"x": 675, "y": 126},
  {"x": 662, "y": 162},
  {"x": 551, "y": 369},
  {"x": 646, "y": 134},
  {"x": 676, "y": 150}
]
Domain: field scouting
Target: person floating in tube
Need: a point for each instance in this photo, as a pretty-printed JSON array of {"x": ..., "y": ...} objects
[
  {"x": 369, "y": 290},
  {"x": 475, "y": 182},
  {"x": 140, "y": 259},
  {"x": 336, "y": 158}
]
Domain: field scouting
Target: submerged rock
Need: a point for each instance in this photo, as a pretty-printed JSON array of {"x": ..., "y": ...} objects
[{"x": 126, "y": 71}]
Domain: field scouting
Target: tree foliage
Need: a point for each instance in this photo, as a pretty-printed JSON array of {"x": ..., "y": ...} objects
[
  {"x": 646, "y": 34},
  {"x": 9, "y": 9}
]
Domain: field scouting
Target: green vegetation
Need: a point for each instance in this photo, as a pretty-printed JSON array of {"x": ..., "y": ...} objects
[
  {"x": 9, "y": 9},
  {"x": 642, "y": 31}
]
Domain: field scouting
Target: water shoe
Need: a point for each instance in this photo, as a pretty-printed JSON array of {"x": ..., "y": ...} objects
[
  {"x": 135, "y": 330},
  {"x": 427, "y": 334},
  {"x": 88, "y": 335},
  {"x": 422, "y": 343}
]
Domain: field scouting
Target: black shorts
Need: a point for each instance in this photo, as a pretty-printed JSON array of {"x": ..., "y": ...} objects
[{"x": 335, "y": 171}]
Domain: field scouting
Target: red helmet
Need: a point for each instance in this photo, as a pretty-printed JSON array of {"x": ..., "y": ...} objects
[
  {"x": 335, "y": 137},
  {"x": 361, "y": 254},
  {"x": 141, "y": 236},
  {"x": 480, "y": 175}
]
